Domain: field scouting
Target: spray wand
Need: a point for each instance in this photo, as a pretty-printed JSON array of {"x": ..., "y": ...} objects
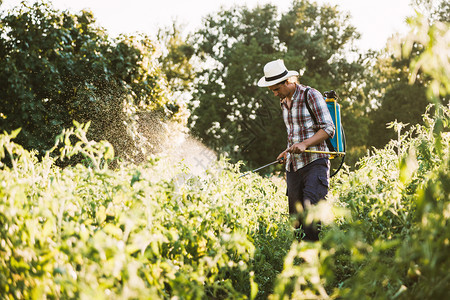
[
  {"x": 281, "y": 160},
  {"x": 257, "y": 169}
]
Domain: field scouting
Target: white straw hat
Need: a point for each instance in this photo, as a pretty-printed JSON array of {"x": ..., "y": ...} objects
[{"x": 275, "y": 72}]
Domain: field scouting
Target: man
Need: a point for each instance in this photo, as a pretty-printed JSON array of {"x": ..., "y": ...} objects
[{"x": 307, "y": 173}]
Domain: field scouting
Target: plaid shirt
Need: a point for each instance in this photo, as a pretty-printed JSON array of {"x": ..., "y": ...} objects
[{"x": 300, "y": 126}]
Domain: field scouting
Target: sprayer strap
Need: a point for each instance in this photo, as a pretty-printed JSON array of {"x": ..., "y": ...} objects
[{"x": 329, "y": 145}]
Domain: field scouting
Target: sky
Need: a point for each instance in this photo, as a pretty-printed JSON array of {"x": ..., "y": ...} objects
[{"x": 375, "y": 20}]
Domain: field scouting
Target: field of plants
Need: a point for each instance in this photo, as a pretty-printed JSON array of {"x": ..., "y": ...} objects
[
  {"x": 95, "y": 217},
  {"x": 123, "y": 231}
]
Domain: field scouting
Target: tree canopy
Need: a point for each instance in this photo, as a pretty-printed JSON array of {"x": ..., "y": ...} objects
[
  {"x": 58, "y": 67},
  {"x": 236, "y": 116}
]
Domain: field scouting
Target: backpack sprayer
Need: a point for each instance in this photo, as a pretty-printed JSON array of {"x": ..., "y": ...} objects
[{"x": 336, "y": 145}]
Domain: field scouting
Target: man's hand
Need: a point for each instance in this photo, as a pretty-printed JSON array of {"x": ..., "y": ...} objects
[
  {"x": 282, "y": 156},
  {"x": 297, "y": 148}
]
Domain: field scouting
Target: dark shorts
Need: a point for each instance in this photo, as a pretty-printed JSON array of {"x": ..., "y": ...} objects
[{"x": 308, "y": 184}]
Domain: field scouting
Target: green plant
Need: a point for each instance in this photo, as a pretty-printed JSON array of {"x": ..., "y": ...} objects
[{"x": 135, "y": 231}]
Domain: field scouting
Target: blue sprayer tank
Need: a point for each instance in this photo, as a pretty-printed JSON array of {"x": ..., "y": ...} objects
[{"x": 335, "y": 111}]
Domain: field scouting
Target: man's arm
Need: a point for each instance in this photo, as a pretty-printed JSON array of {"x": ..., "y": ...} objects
[
  {"x": 319, "y": 113},
  {"x": 316, "y": 139}
]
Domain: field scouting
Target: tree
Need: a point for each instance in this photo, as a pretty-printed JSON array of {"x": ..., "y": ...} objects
[
  {"x": 398, "y": 100},
  {"x": 176, "y": 58},
  {"x": 433, "y": 10},
  {"x": 402, "y": 98},
  {"x": 321, "y": 39},
  {"x": 58, "y": 67},
  {"x": 233, "y": 114}
]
